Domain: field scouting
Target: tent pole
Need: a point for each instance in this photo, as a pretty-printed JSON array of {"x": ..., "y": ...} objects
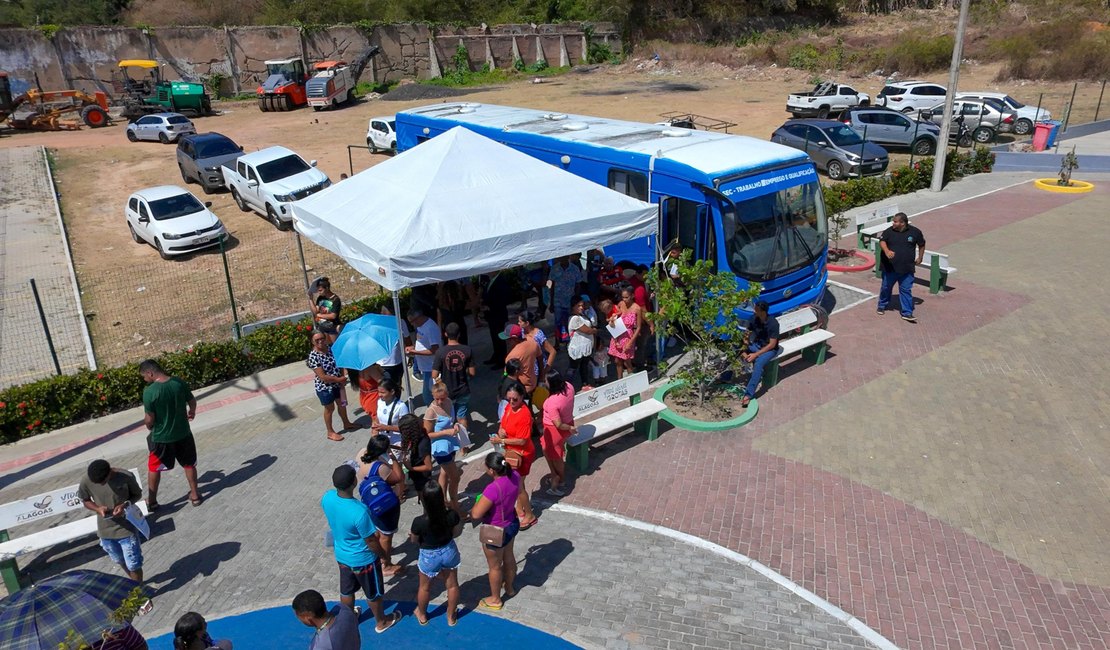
[{"x": 404, "y": 357}]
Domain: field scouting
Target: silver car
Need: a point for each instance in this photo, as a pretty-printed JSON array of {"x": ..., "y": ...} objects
[
  {"x": 835, "y": 147},
  {"x": 889, "y": 128},
  {"x": 984, "y": 118},
  {"x": 163, "y": 127}
]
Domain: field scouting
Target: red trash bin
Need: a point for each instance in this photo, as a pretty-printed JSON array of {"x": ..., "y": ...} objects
[{"x": 1041, "y": 135}]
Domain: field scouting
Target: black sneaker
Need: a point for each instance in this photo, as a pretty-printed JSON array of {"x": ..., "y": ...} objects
[
  {"x": 880, "y": 311},
  {"x": 909, "y": 319}
]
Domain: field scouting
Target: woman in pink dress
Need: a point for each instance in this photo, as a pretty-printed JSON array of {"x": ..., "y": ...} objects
[{"x": 623, "y": 347}]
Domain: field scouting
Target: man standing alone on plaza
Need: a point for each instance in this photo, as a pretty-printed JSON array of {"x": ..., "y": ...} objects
[
  {"x": 356, "y": 546},
  {"x": 169, "y": 407},
  {"x": 107, "y": 492},
  {"x": 903, "y": 246}
]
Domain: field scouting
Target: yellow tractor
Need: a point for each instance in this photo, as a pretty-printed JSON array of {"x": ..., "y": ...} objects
[{"x": 40, "y": 110}]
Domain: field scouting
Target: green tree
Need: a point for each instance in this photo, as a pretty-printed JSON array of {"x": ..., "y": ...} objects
[{"x": 62, "y": 12}]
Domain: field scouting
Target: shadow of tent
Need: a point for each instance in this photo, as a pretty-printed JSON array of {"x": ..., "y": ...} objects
[
  {"x": 213, "y": 482},
  {"x": 203, "y": 562}
]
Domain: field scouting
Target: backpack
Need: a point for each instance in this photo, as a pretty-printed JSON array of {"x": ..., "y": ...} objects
[{"x": 376, "y": 493}]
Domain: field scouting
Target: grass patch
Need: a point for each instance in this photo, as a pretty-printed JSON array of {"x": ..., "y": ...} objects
[{"x": 364, "y": 88}]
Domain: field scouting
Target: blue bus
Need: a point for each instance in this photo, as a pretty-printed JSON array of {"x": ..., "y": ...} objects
[{"x": 748, "y": 206}]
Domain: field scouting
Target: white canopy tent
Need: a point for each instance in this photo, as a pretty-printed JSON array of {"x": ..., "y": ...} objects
[{"x": 461, "y": 204}]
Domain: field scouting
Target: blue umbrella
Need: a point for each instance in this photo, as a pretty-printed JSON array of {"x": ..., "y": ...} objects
[
  {"x": 365, "y": 341},
  {"x": 40, "y": 616}
]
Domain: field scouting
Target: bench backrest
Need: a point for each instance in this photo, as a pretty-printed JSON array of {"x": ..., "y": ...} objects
[
  {"x": 876, "y": 216},
  {"x": 50, "y": 504},
  {"x": 927, "y": 259},
  {"x": 609, "y": 394},
  {"x": 796, "y": 320}
]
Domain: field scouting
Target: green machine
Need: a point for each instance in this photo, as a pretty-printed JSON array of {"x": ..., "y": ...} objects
[{"x": 147, "y": 92}]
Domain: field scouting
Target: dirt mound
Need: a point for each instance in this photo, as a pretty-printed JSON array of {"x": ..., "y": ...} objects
[{"x": 420, "y": 92}]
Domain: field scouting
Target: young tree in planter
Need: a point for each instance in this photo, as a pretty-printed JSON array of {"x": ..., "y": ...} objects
[{"x": 701, "y": 309}]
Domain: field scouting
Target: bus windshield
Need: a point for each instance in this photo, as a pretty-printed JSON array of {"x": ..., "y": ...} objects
[{"x": 774, "y": 234}]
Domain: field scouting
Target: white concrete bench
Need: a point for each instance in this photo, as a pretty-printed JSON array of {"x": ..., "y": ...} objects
[
  {"x": 38, "y": 508},
  {"x": 797, "y": 334},
  {"x": 869, "y": 225},
  {"x": 643, "y": 415},
  {"x": 937, "y": 264}
]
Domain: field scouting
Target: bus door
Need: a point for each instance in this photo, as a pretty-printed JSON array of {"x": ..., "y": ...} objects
[{"x": 690, "y": 223}]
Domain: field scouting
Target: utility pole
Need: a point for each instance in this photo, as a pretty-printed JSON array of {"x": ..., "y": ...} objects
[{"x": 953, "y": 80}]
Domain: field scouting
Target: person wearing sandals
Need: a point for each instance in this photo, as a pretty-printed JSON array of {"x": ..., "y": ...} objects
[
  {"x": 763, "y": 346},
  {"x": 379, "y": 462},
  {"x": 328, "y": 383},
  {"x": 191, "y": 633},
  {"x": 416, "y": 451},
  {"x": 390, "y": 410},
  {"x": 435, "y": 532},
  {"x": 497, "y": 507},
  {"x": 440, "y": 424},
  {"x": 515, "y": 436},
  {"x": 357, "y": 551},
  {"x": 558, "y": 425}
]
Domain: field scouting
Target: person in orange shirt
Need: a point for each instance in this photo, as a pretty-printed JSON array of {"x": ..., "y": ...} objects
[
  {"x": 368, "y": 380},
  {"x": 525, "y": 350},
  {"x": 515, "y": 435}
]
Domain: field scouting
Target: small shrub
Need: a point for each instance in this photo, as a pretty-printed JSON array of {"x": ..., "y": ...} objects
[{"x": 803, "y": 57}]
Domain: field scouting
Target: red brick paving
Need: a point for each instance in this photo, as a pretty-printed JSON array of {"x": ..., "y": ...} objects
[{"x": 914, "y": 578}]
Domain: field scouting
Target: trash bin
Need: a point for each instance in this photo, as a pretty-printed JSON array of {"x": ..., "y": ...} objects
[{"x": 1044, "y": 137}]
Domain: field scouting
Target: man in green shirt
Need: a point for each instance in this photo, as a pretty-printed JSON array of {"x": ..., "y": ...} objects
[{"x": 169, "y": 406}]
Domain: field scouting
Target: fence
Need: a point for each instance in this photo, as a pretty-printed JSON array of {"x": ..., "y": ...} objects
[{"x": 40, "y": 333}]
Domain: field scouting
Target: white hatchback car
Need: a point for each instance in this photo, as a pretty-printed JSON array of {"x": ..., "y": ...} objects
[
  {"x": 172, "y": 220},
  {"x": 164, "y": 127},
  {"x": 911, "y": 97},
  {"x": 381, "y": 134}
]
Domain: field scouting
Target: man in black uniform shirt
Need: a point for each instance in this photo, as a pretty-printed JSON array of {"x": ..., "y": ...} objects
[
  {"x": 903, "y": 246},
  {"x": 763, "y": 346}
]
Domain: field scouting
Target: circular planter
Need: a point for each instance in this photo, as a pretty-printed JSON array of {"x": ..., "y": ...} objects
[
  {"x": 1050, "y": 185},
  {"x": 867, "y": 266},
  {"x": 705, "y": 425}
]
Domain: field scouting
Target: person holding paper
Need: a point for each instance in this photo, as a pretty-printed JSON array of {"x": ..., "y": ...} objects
[
  {"x": 625, "y": 327},
  {"x": 108, "y": 491}
]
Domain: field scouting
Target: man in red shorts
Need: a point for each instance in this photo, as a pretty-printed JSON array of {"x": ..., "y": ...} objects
[{"x": 169, "y": 406}]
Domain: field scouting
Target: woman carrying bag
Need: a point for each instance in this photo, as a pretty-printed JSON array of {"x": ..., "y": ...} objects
[
  {"x": 515, "y": 435},
  {"x": 444, "y": 431},
  {"x": 496, "y": 511}
]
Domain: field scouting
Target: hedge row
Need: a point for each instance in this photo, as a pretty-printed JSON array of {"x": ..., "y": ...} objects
[
  {"x": 903, "y": 180},
  {"x": 55, "y": 402}
]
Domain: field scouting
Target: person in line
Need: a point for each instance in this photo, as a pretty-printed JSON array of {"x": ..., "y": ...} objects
[
  {"x": 191, "y": 633},
  {"x": 435, "y": 532},
  {"x": 335, "y": 629},
  {"x": 369, "y": 379},
  {"x": 527, "y": 321},
  {"x": 497, "y": 507},
  {"x": 599, "y": 361},
  {"x": 378, "y": 466},
  {"x": 509, "y": 377},
  {"x": 428, "y": 340},
  {"x": 524, "y": 351},
  {"x": 515, "y": 436},
  {"x": 416, "y": 451},
  {"x": 390, "y": 410},
  {"x": 558, "y": 426},
  {"x": 565, "y": 276},
  {"x": 536, "y": 273},
  {"x": 325, "y": 309},
  {"x": 393, "y": 366},
  {"x": 623, "y": 347},
  {"x": 443, "y": 430},
  {"x": 496, "y": 297},
  {"x": 328, "y": 383},
  {"x": 595, "y": 261},
  {"x": 763, "y": 346},
  {"x": 451, "y": 308},
  {"x": 454, "y": 366},
  {"x": 581, "y": 347},
  {"x": 169, "y": 407},
  {"x": 107, "y": 491},
  {"x": 903, "y": 249},
  {"x": 356, "y": 547}
]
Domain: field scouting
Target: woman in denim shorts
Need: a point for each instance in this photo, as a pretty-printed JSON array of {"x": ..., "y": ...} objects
[{"x": 435, "y": 532}]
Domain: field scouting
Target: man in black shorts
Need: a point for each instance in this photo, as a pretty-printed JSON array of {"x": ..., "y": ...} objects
[{"x": 169, "y": 407}]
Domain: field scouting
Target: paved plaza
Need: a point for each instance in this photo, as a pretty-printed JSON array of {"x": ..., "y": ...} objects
[{"x": 944, "y": 484}]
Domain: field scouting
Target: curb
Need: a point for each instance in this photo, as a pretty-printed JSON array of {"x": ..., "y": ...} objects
[
  {"x": 703, "y": 425},
  {"x": 1052, "y": 185}
]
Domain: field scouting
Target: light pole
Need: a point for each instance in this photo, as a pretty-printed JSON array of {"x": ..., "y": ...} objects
[{"x": 953, "y": 79}]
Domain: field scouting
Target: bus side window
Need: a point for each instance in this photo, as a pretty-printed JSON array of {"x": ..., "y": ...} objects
[
  {"x": 629, "y": 183},
  {"x": 710, "y": 238}
]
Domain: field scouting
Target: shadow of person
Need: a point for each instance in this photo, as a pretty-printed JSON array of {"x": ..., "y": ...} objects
[
  {"x": 214, "y": 481},
  {"x": 200, "y": 563},
  {"x": 539, "y": 562}
]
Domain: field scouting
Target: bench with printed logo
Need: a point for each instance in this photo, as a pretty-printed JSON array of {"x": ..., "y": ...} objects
[
  {"x": 39, "y": 508},
  {"x": 642, "y": 415},
  {"x": 871, "y": 224},
  {"x": 798, "y": 334},
  {"x": 937, "y": 264}
]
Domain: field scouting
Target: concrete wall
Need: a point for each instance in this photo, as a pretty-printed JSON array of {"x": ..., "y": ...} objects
[{"x": 85, "y": 57}]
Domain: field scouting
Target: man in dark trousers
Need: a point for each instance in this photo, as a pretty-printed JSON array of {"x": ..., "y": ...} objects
[
  {"x": 496, "y": 297},
  {"x": 903, "y": 246},
  {"x": 763, "y": 346}
]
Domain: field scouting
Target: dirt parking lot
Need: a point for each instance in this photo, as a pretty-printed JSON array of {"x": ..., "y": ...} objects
[{"x": 140, "y": 304}]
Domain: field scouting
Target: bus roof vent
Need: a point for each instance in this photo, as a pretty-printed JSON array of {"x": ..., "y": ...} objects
[
  {"x": 468, "y": 107},
  {"x": 555, "y": 117},
  {"x": 676, "y": 133},
  {"x": 575, "y": 126}
]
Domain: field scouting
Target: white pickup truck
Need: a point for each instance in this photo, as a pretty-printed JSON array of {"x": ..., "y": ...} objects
[
  {"x": 267, "y": 181},
  {"x": 826, "y": 98}
]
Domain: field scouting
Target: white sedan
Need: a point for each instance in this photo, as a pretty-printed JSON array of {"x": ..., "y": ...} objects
[
  {"x": 172, "y": 220},
  {"x": 381, "y": 134}
]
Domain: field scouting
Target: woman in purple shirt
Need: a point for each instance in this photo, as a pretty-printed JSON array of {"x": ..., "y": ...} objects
[{"x": 497, "y": 507}]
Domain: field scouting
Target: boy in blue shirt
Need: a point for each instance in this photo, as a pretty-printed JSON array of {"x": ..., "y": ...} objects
[{"x": 356, "y": 547}]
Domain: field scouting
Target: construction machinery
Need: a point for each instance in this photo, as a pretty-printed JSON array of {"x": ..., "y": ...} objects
[
  {"x": 41, "y": 110},
  {"x": 284, "y": 88},
  {"x": 148, "y": 92},
  {"x": 331, "y": 85}
]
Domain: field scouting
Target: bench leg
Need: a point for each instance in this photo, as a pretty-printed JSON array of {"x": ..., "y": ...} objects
[
  {"x": 878, "y": 270},
  {"x": 579, "y": 457},
  {"x": 648, "y": 427},
  {"x": 819, "y": 353},
  {"x": 771, "y": 374},
  {"x": 935, "y": 281},
  {"x": 9, "y": 570}
]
